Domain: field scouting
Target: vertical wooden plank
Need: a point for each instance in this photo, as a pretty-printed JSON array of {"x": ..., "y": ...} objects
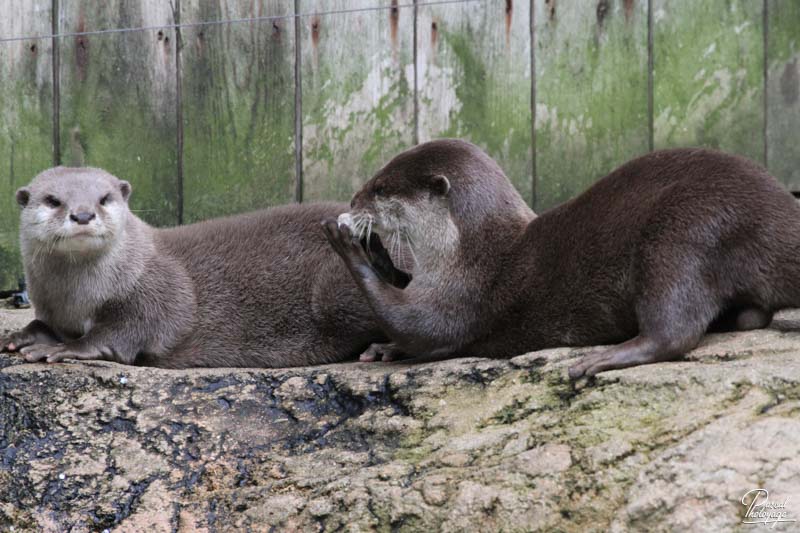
[
  {"x": 783, "y": 91},
  {"x": 358, "y": 107},
  {"x": 708, "y": 77},
  {"x": 238, "y": 106},
  {"x": 118, "y": 102},
  {"x": 475, "y": 83},
  {"x": 591, "y": 86},
  {"x": 26, "y": 106}
]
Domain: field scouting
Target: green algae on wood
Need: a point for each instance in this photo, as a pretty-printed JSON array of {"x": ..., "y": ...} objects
[
  {"x": 591, "y": 93},
  {"x": 238, "y": 107},
  {"x": 357, "y": 88},
  {"x": 118, "y": 99},
  {"x": 26, "y": 129},
  {"x": 783, "y": 91},
  {"x": 474, "y": 81},
  {"x": 708, "y": 75}
]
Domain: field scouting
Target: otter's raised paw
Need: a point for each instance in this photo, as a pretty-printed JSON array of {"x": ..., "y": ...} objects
[
  {"x": 55, "y": 353},
  {"x": 384, "y": 352},
  {"x": 342, "y": 241}
]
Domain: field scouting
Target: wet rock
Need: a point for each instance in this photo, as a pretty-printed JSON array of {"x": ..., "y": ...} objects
[{"x": 464, "y": 444}]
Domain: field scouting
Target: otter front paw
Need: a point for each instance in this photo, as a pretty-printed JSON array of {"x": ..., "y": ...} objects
[
  {"x": 343, "y": 243},
  {"x": 17, "y": 340},
  {"x": 37, "y": 332},
  {"x": 384, "y": 352},
  {"x": 55, "y": 353}
]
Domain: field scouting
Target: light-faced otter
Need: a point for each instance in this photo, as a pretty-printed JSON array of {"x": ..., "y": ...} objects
[
  {"x": 261, "y": 289},
  {"x": 648, "y": 257}
]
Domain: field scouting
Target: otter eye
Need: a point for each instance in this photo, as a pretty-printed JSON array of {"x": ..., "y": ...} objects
[
  {"x": 52, "y": 201},
  {"x": 104, "y": 200},
  {"x": 379, "y": 189}
]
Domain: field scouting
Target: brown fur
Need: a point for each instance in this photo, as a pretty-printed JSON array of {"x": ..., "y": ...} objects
[
  {"x": 261, "y": 289},
  {"x": 650, "y": 256}
]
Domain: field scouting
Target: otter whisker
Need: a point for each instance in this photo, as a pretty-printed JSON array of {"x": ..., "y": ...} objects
[
  {"x": 35, "y": 254},
  {"x": 395, "y": 246},
  {"x": 365, "y": 228},
  {"x": 44, "y": 250},
  {"x": 410, "y": 245},
  {"x": 59, "y": 239},
  {"x": 358, "y": 225},
  {"x": 361, "y": 225},
  {"x": 52, "y": 245}
]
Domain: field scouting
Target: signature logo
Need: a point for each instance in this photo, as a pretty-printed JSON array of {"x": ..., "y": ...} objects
[{"x": 760, "y": 510}]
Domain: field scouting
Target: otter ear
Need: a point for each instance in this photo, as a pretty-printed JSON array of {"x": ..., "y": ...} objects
[
  {"x": 125, "y": 189},
  {"x": 440, "y": 185},
  {"x": 23, "y": 196}
]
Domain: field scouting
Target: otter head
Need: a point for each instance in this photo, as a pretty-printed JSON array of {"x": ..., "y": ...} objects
[
  {"x": 73, "y": 211},
  {"x": 408, "y": 205},
  {"x": 427, "y": 199}
]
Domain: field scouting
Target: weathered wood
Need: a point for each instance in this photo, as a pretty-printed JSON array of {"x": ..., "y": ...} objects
[
  {"x": 709, "y": 61},
  {"x": 238, "y": 107},
  {"x": 118, "y": 104},
  {"x": 783, "y": 91},
  {"x": 358, "y": 104},
  {"x": 591, "y": 92},
  {"x": 26, "y": 106},
  {"x": 475, "y": 83}
]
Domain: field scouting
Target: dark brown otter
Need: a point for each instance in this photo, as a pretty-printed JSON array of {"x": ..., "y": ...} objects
[
  {"x": 261, "y": 289},
  {"x": 649, "y": 257}
]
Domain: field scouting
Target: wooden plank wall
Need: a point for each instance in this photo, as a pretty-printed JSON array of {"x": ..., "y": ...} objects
[
  {"x": 475, "y": 80},
  {"x": 238, "y": 107},
  {"x": 358, "y": 100},
  {"x": 26, "y": 127},
  {"x": 204, "y": 120},
  {"x": 709, "y": 65},
  {"x": 783, "y": 90},
  {"x": 118, "y": 99},
  {"x": 591, "y": 93}
]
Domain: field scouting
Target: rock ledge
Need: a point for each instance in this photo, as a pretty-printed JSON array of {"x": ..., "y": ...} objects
[{"x": 452, "y": 445}]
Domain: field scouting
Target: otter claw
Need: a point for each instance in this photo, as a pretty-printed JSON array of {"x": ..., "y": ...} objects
[
  {"x": 36, "y": 352},
  {"x": 56, "y": 353},
  {"x": 385, "y": 352},
  {"x": 15, "y": 342}
]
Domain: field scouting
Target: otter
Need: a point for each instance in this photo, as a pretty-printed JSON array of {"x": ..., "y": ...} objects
[
  {"x": 261, "y": 289},
  {"x": 647, "y": 259}
]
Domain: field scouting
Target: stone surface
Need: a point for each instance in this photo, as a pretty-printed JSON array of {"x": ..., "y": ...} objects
[{"x": 463, "y": 444}]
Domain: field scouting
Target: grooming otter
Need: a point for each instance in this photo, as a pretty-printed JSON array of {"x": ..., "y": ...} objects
[
  {"x": 262, "y": 289},
  {"x": 648, "y": 257}
]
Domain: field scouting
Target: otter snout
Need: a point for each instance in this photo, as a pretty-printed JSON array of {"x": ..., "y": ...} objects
[{"x": 82, "y": 217}]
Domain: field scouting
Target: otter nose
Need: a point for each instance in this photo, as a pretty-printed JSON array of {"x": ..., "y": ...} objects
[{"x": 82, "y": 218}]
